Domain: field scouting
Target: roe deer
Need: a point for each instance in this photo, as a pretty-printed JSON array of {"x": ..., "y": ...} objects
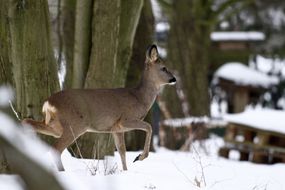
[{"x": 71, "y": 113}]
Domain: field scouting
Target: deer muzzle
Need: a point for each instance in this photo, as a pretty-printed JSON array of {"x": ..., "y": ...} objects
[{"x": 172, "y": 81}]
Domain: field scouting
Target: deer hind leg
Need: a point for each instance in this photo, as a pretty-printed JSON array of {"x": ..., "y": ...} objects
[
  {"x": 121, "y": 147},
  {"x": 69, "y": 135},
  {"x": 144, "y": 126},
  {"x": 63, "y": 142}
]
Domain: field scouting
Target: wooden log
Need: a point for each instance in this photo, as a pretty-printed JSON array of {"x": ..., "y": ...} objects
[
  {"x": 261, "y": 156},
  {"x": 248, "y": 136},
  {"x": 224, "y": 152},
  {"x": 231, "y": 132},
  {"x": 176, "y": 138}
]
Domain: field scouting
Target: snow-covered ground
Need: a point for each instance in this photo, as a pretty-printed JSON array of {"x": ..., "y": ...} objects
[
  {"x": 200, "y": 168},
  {"x": 167, "y": 170}
]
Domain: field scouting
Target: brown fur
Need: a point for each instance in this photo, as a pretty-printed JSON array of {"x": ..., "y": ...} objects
[{"x": 71, "y": 113}]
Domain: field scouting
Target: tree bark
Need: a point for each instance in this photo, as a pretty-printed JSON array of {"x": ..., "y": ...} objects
[
  {"x": 114, "y": 24},
  {"x": 189, "y": 43},
  {"x": 67, "y": 29},
  {"x": 143, "y": 38},
  {"x": 34, "y": 67},
  {"x": 129, "y": 20},
  {"x": 82, "y": 42},
  {"x": 6, "y": 76}
]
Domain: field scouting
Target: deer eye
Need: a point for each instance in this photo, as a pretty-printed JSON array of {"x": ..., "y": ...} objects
[{"x": 164, "y": 69}]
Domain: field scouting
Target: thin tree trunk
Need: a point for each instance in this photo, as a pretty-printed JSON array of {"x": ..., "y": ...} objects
[
  {"x": 68, "y": 29},
  {"x": 82, "y": 42},
  {"x": 129, "y": 19},
  {"x": 143, "y": 38}
]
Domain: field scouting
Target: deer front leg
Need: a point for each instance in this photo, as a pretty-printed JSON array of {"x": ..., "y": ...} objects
[
  {"x": 121, "y": 147},
  {"x": 140, "y": 125}
]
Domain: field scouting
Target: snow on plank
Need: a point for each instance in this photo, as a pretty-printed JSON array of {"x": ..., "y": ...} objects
[{"x": 263, "y": 119}]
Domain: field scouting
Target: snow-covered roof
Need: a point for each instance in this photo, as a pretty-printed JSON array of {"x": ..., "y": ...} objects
[
  {"x": 264, "y": 119},
  {"x": 237, "y": 36},
  {"x": 245, "y": 76}
]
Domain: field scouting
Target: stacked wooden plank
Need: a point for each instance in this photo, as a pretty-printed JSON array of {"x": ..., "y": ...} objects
[{"x": 258, "y": 136}]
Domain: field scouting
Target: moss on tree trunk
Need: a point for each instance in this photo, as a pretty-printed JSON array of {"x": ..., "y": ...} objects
[
  {"x": 82, "y": 42},
  {"x": 113, "y": 28},
  {"x": 6, "y": 76},
  {"x": 34, "y": 67}
]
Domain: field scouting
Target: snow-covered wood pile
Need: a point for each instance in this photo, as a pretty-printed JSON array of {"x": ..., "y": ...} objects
[
  {"x": 258, "y": 136},
  {"x": 178, "y": 133},
  {"x": 263, "y": 119}
]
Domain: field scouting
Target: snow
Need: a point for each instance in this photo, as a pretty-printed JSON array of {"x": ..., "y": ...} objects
[
  {"x": 277, "y": 17},
  {"x": 200, "y": 168},
  {"x": 157, "y": 12},
  {"x": 217, "y": 109},
  {"x": 185, "y": 121},
  {"x": 162, "y": 51},
  {"x": 243, "y": 75},
  {"x": 162, "y": 26},
  {"x": 26, "y": 141},
  {"x": 274, "y": 65},
  {"x": 264, "y": 119},
  {"x": 6, "y": 95},
  {"x": 11, "y": 182},
  {"x": 168, "y": 170},
  {"x": 237, "y": 36}
]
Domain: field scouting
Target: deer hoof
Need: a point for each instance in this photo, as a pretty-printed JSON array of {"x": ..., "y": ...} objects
[{"x": 137, "y": 158}]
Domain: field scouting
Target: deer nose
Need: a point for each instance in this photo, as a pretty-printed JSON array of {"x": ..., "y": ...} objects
[{"x": 172, "y": 81}]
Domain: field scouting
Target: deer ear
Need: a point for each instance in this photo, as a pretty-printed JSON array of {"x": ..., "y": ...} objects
[{"x": 152, "y": 53}]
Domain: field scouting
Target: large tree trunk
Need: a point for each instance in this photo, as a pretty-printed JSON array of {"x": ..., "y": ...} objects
[
  {"x": 6, "y": 76},
  {"x": 114, "y": 24},
  {"x": 34, "y": 67},
  {"x": 143, "y": 38}
]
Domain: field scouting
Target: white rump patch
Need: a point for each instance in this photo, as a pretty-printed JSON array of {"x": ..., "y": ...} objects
[{"x": 48, "y": 109}]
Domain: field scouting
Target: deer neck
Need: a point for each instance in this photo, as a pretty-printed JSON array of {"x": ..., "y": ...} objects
[{"x": 147, "y": 90}]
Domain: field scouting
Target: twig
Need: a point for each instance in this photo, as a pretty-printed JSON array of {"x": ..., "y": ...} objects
[
  {"x": 13, "y": 109},
  {"x": 79, "y": 151},
  {"x": 201, "y": 166},
  {"x": 186, "y": 177},
  {"x": 76, "y": 144}
]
